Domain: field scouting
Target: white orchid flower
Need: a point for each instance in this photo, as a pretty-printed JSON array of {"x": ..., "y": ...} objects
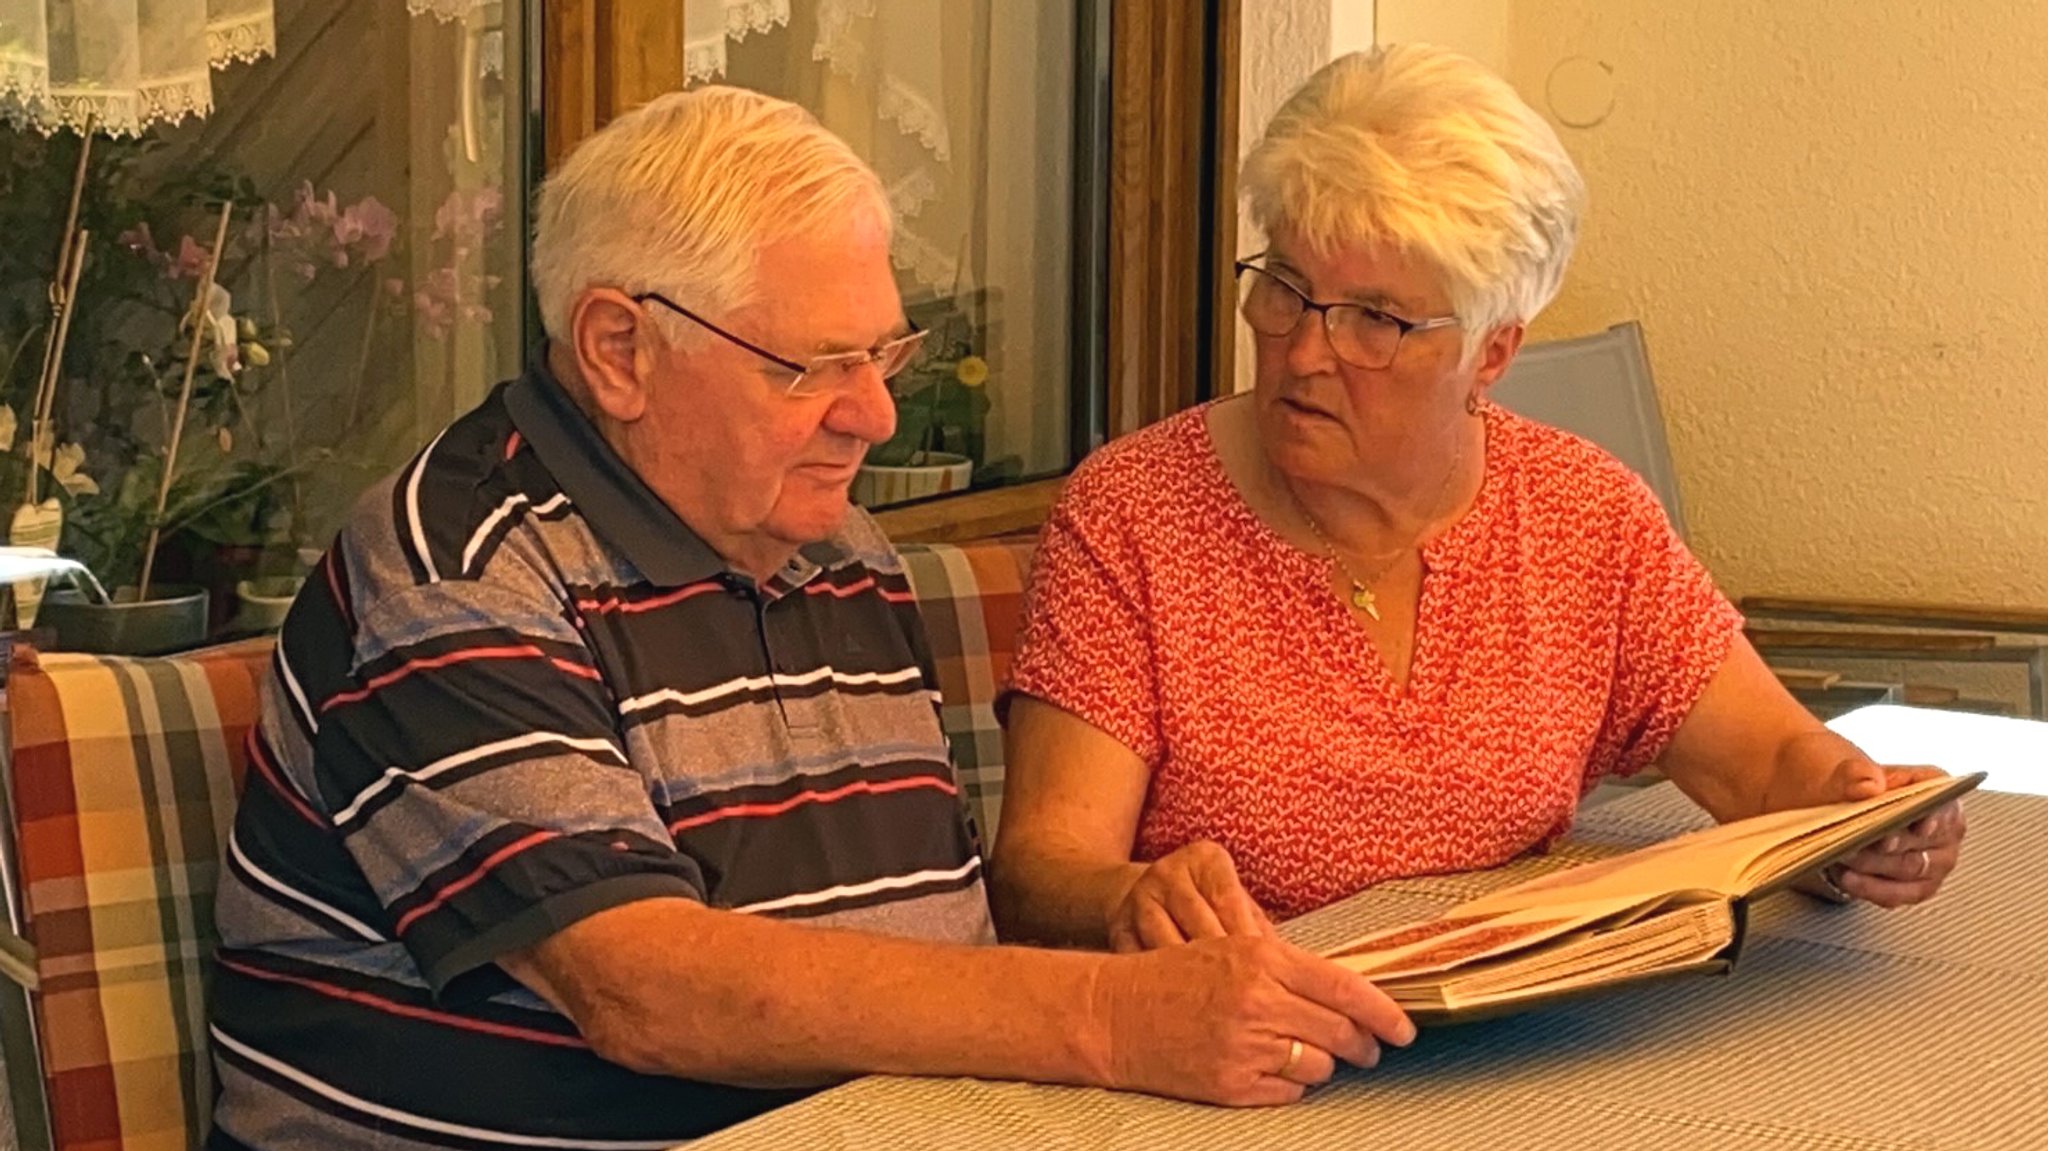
[{"x": 225, "y": 355}]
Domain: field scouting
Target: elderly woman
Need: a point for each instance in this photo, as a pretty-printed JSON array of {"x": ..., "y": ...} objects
[{"x": 1361, "y": 623}]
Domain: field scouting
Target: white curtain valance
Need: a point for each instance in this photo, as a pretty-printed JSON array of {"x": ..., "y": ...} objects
[
  {"x": 123, "y": 64},
  {"x": 887, "y": 61},
  {"x": 897, "y": 48},
  {"x": 708, "y": 23}
]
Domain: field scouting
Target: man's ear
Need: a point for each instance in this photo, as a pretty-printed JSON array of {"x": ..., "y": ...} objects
[
  {"x": 615, "y": 351},
  {"x": 1497, "y": 353}
]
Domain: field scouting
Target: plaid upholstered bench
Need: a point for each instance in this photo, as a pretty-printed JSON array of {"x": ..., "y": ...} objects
[{"x": 122, "y": 780}]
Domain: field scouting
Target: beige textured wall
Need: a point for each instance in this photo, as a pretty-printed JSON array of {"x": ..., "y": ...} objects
[
  {"x": 1478, "y": 28},
  {"x": 1283, "y": 42},
  {"x": 1351, "y": 24},
  {"x": 1832, "y": 220}
]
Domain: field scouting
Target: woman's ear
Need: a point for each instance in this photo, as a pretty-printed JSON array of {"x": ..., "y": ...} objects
[
  {"x": 613, "y": 351},
  {"x": 1497, "y": 353}
]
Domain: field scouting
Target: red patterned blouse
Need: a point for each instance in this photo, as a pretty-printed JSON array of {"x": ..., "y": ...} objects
[{"x": 1564, "y": 633}]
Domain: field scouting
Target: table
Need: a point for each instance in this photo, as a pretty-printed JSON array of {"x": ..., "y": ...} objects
[{"x": 1847, "y": 1029}]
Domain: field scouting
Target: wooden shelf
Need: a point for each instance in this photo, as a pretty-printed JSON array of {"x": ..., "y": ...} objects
[
  {"x": 1806, "y": 679},
  {"x": 1928, "y": 695},
  {"x": 1883, "y": 613},
  {"x": 976, "y": 515},
  {"x": 1852, "y": 642}
]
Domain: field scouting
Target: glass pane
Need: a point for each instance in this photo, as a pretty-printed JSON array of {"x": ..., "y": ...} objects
[
  {"x": 373, "y": 291},
  {"x": 966, "y": 108}
]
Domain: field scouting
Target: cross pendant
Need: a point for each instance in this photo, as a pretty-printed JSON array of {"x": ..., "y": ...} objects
[{"x": 1362, "y": 597}]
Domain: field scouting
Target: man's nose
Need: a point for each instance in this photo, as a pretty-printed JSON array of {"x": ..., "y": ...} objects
[{"x": 864, "y": 408}]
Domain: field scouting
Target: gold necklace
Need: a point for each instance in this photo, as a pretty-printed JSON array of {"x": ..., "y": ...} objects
[{"x": 1362, "y": 596}]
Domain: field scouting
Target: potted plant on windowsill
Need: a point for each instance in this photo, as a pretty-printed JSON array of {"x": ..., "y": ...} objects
[
  {"x": 133, "y": 621},
  {"x": 253, "y": 481},
  {"x": 194, "y": 507},
  {"x": 154, "y": 341},
  {"x": 191, "y": 538},
  {"x": 941, "y": 409}
]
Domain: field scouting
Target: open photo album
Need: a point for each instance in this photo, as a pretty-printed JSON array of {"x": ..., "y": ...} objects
[{"x": 1669, "y": 908}]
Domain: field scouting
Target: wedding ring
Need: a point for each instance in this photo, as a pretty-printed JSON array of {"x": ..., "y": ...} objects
[
  {"x": 1293, "y": 1057},
  {"x": 1925, "y": 864}
]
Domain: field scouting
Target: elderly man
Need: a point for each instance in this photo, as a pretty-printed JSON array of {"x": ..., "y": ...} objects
[{"x": 599, "y": 800}]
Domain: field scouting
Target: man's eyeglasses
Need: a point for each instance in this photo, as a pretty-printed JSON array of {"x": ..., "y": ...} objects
[
  {"x": 1362, "y": 336},
  {"x": 832, "y": 373}
]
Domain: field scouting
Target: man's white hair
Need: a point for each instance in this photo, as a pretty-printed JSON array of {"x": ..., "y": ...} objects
[
  {"x": 680, "y": 194},
  {"x": 1429, "y": 152}
]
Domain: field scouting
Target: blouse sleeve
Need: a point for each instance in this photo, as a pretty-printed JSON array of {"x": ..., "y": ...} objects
[
  {"x": 1086, "y": 647},
  {"x": 1675, "y": 630}
]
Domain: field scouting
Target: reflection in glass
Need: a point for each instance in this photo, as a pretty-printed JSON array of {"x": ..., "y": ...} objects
[
  {"x": 370, "y": 290},
  {"x": 966, "y": 110}
]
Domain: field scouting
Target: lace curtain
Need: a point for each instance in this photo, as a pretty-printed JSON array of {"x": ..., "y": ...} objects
[
  {"x": 888, "y": 93},
  {"x": 451, "y": 10},
  {"x": 707, "y": 24},
  {"x": 965, "y": 110},
  {"x": 878, "y": 75},
  {"x": 123, "y": 64}
]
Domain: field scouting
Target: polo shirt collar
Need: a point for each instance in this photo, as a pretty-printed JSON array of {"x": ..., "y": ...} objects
[
  {"x": 613, "y": 499},
  {"x": 617, "y": 503}
]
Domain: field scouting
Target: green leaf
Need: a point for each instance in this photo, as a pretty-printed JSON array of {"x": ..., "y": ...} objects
[{"x": 913, "y": 429}]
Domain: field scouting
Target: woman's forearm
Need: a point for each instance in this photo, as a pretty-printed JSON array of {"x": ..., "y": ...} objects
[
  {"x": 1056, "y": 899},
  {"x": 1748, "y": 747},
  {"x": 1803, "y": 770},
  {"x": 1071, "y": 806}
]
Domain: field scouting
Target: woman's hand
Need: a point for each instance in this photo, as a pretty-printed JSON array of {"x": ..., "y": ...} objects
[
  {"x": 1192, "y": 893},
  {"x": 1906, "y": 866},
  {"x": 1748, "y": 748}
]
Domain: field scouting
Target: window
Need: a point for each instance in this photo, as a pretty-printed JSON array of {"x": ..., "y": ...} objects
[
  {"x": 376, "y": 157},
  {"x": 967, "y": 111},
  {"x": 370, "y": 287}
]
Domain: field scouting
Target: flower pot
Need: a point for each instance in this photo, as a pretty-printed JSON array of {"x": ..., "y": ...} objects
[
  {"x": 928, "y": 474},
  {"x": 214, "y": 568},
  {"x": 173, "y": 619},
  {"x": 261, "y": 603}
]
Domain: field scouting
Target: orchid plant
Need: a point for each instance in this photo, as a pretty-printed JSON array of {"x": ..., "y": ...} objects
[
  {"x": 289, "y": 269},
  {"x": 456, "y": 293}
]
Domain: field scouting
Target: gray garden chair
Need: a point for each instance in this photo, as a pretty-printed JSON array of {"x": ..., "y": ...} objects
[{"x": 1600, "y": 387}]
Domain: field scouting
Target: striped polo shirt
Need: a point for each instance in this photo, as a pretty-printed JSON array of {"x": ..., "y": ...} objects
[{"x": 517, "y": 691}]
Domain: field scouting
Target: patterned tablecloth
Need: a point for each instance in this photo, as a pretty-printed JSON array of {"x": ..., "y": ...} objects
[{"x": 1846, "y": 1029}]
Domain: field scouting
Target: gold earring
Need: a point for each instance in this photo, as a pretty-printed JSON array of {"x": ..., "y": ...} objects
[{"x": 1471, "y": 403}]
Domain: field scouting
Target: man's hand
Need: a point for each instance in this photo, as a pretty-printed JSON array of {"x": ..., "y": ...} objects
[
  {"x": 1907, "y": 866},
  {"x": 1218, "y": 1021},
  {"x": 1192, "y": 893}
]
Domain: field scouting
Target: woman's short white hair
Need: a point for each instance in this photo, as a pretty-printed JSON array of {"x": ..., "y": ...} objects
[
  {"x": 680, "y": 194},
  {"x": 1429, "y": 152}
]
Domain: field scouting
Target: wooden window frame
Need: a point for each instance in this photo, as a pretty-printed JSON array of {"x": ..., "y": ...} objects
[
  {"x": 1171, "y": 227},
  {"x": 601, "y": 57}
]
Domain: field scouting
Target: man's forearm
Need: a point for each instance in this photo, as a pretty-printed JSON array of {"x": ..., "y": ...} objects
[{"x": 730, "y": 998}]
